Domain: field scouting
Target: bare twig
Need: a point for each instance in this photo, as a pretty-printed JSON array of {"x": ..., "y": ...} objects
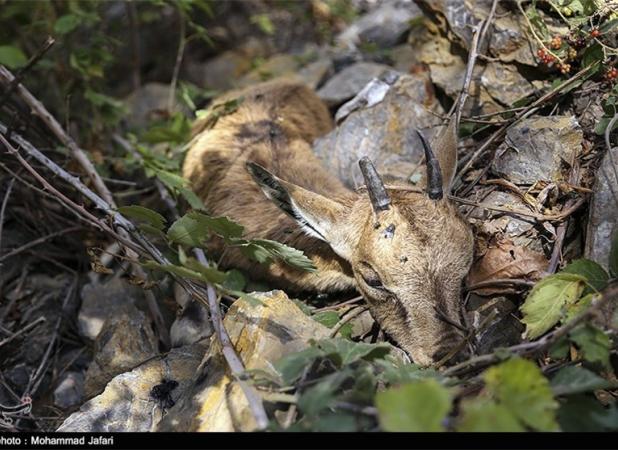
[
  {"x": 354, "y": 312},
  {"x": 477, "y": 42},
  {"x": 49, "y": 42},
  {"x": 134, "y": 28},
  {"x": 51, "y": 123},
  {"x": 37, "y": 242},
  {"x": 22, "y": 331},
  {"x": 179, "y": 55},
  {"x": 233, "y": 361},
  {"x": 5, "y": 200}
]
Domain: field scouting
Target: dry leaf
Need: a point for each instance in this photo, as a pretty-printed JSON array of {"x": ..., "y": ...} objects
[{"x": 506, "y": 261}]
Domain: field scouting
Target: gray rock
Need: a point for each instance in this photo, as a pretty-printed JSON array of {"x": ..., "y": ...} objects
[
  {"x": 274, "y": 67},
  {"x": 603, "y": 220},
  {"x": 220, "y": 72},
  {"x": 125, "y": 341},
  {"x": 495, "y": 321},
  {"x": 383, "y": 132},
  {"x": 192, "y": 325},
  {"x": 504, "y": 83},
  {"x": 126, "y": 404},
  {"x": 70, "y": 390},
  {"x": 146, "y": 102},
  {"x": 347, "y": 83},
  {"x": 261, "y": 334},
  {"x": 316, "y": 72},
  {"x": 508, "y": 39},
  {"x": 492, "y": 222},
  {"x": 384, "y": 26},
  {"x": 101, "y": 300},
  {"x": 535, "y": 148}
]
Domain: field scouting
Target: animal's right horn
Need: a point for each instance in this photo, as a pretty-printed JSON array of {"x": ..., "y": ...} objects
[
  {"x": 434, "y": 173},
  {"x": 375, "y": 187}
]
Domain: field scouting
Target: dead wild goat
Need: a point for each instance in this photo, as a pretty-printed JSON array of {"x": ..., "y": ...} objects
[{"x": 406, "y": 251}]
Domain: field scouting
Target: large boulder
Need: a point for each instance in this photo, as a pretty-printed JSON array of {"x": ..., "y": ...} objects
[
  {"x": 381, "y": 125},
  {"x": 261, "y": 334},
  {"x": 133, "y": 401},
  {"x": 603, "y": 221},
  {"x": 536, "y": 148}
]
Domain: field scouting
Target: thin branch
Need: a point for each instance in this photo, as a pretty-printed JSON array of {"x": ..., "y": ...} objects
[
  {"x": 38, "y": 109},
  {"x": 179, "y": 55},
  {"x": 22, "y": 331},
  {"x": 5, "y": 200},
  {"x": 233, "y": 361},
  {"x": 37, "y": 242},
  {"x": 49, "y": 42},
  {"x": 353, "y": 313}
]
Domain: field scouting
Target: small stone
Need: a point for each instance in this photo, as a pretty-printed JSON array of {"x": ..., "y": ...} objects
[
  {"x": 536, "y": 148},
  {"x": 383, "y": 27},
  {"x": 100, "y": 301},
  {"x": 125, "y": 341},
  {"x": 347, "y": 83},
  {"x": 70, "y": 391}
]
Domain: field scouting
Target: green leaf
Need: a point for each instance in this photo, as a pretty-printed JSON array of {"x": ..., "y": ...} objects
[
  {"x": 419, "y": 406},
  {"x": 235, "y": 280},
  {"x": 149, "y": 216},
  {"x": 67, "y": 23},
  {"x": 520, "y": 387},
  {"x": 327, "y": 318},
  {"x": 395, "y": 372},
  {"x": 265, "y": 250},
  {"x": 194, "y": 228},
  {"x": 196, "y": 272},
  {"x": 12, "y": 57},
  {"x": 575, "y": 309},
  {"x": 575, "y": 380},
  {"x": 322, "y": 395},
  {"x": 485, "y": 415},
  {"x": 264, "y": 23},
  {"x": 344, "y": 352},
  {"x": 592, "y": 55},
  {"x": 613, "y": 255},
  {"x": 545, "y": 303},
  {"x": 560, "y": 349},
  {"x": 596, "y": 276},
  {"x": 582, "y": 413},
  {"x": 593, "y": 342},
  {"x": 292, "y": 366},
  {"x": 193, "y": 200}
]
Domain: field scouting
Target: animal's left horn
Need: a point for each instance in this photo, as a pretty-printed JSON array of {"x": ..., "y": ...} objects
[
  {"x": 434, "y": 173},
  {"x": 375, "y": 187}
]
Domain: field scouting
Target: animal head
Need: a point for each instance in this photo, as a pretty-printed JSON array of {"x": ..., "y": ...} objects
[{"x": 409, "y": 250}]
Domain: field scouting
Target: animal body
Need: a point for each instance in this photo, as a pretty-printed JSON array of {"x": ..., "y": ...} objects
[{"x": 405, "y": 251}]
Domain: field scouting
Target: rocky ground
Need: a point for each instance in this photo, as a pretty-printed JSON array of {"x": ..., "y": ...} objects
[{"x": 82, "y": 343}]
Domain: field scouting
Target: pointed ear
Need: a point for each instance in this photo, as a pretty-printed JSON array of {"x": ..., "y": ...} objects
[
  {"x": 445, "y": 147},
  {"x": 317, "y": 215}
]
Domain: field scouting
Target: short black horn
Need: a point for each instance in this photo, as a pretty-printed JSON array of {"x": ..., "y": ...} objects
[
  {"x": 375, "y": 187},
  {"x": 434, "y": 173}
]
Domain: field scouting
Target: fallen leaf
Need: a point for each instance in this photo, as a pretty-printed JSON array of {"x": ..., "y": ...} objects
[{"x": 506, "y": 261}]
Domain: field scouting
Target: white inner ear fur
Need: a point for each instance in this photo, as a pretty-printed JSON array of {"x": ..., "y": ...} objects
[{"x": 324, "y": 230}]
